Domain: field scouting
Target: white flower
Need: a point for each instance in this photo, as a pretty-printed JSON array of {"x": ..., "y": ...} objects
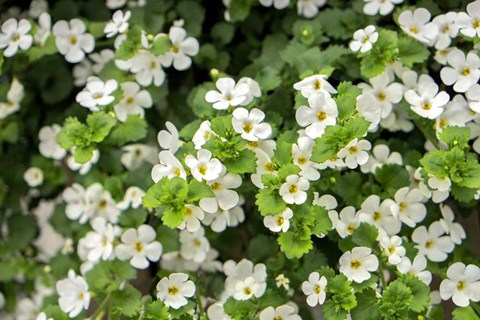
[
  {"x": 278, "y": 4},
  {"x": 204, "y": 167},
  {"x": 448, "y": 28},
  {"x": 384, "y": 7},
  {"x": 96, "y": 93},
  {"x": 33, "y": 176},
  {"x": 346, "y": 222},
  {"x": 417, "y": 268},
  {"x": 15, "y": 35},
  {"x": 432, "y": 243},
  {"x": 100, "y": 59},
  {"x": 147, "y": 69},
  {"x": 363, "y": 39},
  {"x": 48, "y": 145},
  {"x": 354, "y": 153},
  {"x": 254, "y": 90},
  {"x": 134, "y": 155},
  {"x": 134, "y": 101},
  {"x": 173, "y": 290},
  {"x": 393, "y": 249},
  {"x": 453, "y": 229},
  {"x": 464, "y": 71},
  {"x": 194, "y": 245},
  {"x": 408, "y": 206},
  {"x": 385, "y": 91},
  {"x": 293, "y": 190},
  {"x": 284, "y": 312},
  {"x": 43, "y": 29},
  {"x": 182, "y": 49},
  {"x": 426, "y": 101},
  {"x": 417, "y": 25},
  {"x": 115, "y": 4},
  {"x": 224, "y": 197},
  {"x": 71, "y": 39},
  {"x": 473, "y": 96},
  {"x": 237, "y": 273},
  {"x": 462, "y": 285},
  {"x": 220, "y": 219},
  {"x": 228, "y": 94},
  {"x": 193, "y": 216},
  {"x": 133, "y": 198},
  {"x": 368, "y": 108},
  {"x": 248, "y": 124},
  {"x": 118, "y": 24},
  {"x": 279, "y": 222},
  {"x": 380, "y": 156},
  {"x": 37, "y": 7},
  {"x": 315, "y": 83},
  {"x": 101, "y": 203},
  {"x": 439, "y": 183},
  {"x": 169, "y": 140},
  {"x": 397, "y": 120},
  {"x": 43, "y": 316},
  {"x": 83, "y": 168},
  {"x": 301, "y": 153},
  {"x": 138, "y": 245},
  {"x": 357, "y": 264},
  {"x": 314, "y": 288},
  {"x": 216, "y": 311},
  {"x": 73, "y": 294},
  {"x": 202, "y": 135},
  {"x": 99, "y": 242},
  {"x": 14, "y": 96},
  {"x": 456, "y": 113},
  {"x": 380, "y": 214},
  {"x": 246, "y": 289},
  {"x": 309, "y": 8},
  {"x": 169, "y": 166},
  {"x": 469, "y": 22},
  {"x": 321, "y": 112}
]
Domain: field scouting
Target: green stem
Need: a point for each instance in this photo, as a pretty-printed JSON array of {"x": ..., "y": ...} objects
[
  {"x": 382, "y": 275},
  {"x": 475, "y": 307},
  {"x": 199, "y": 303},
  {"x": 100, "y": 308}
]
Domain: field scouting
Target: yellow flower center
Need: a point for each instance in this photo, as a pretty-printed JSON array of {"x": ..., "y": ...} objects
[
  {"x": 177, "y": 172},
  {"x": 461, "y": 285},
  {"x": 197, "y": 243},
  {"x": 73, "y": 40},
  {"x": 268, "y": 167},
  {"x": 97, "y": 95},
  {"x": 247, "y": 127},
  {"x": 292, "y": 188},
  {"x": 365, "y": 39},
  {"x": 403, "y": 206},
  {"x": 247, "y": 291},
  {"x": 476, "y": 23},
  {"x": 355, "y": 264},
  {"x": 215, "y": 186},
  {"x": 175, "y": 49},
  {"x": 391, "y": 249},
  {"x": 317, "y": 289},
  {"x": 377, "y": 216},
  {"x": 321, "y": 116},
  {"x": 465, "y": 71},
  {"x": 129, "y": 100},
  {"x": 188, "y": 212},
  {"x": 429, "y": 244},
  {"x": 382, "y": 96},
  {"x": 351, "y": 228},
  {"x": 317, "y": 85},
  {"x": 442, "y": 123},
  {"x": 172, "y": 290},
  {"x": 253, "y": 144},
  {"x": 426, "y": 106},
  {"x": 15, "y": 37},
  {"x": 353, "y": 150},
  {"x": 153, "y": 64},
  {"x": 280, "y": 221},
  {"x": 413, "y": 29},
  {"x": 103, "y": 204},
  {"x": 301, "y": 160},
  {"x": 277, "y": 318},
  {"x": 202, "y": 169},
  {"x": 138, "y": 246}
]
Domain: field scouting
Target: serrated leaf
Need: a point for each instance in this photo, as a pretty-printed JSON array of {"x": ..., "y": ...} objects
[
  {"x": 392, "y": 177},
  {"x": 198, "y": 190},
  {"x": 455, "y": 136},
  {"x": 161, "y": 45},
  {"x": 366, "y": 307},
  {"x": 346, "y": 99},
  {"x": 126, "y": 302},
  {"x": 269, "y": 202},
  {"x": 411, "y": 51},
  {"x": 243, "y": 163},
  {"x": 83, "y": 154},
  {"x": 261, "y": 247},
  {"x": 420, "y": 292},
  {"x": 155, "y": 310},
  {"x": 295, "y": 243},
  {"x": 133, "y": 129},
  {"x": 100, "y": 125},
  {"x": 465, "y": 313},
  {"x": 130, "y": 46}
]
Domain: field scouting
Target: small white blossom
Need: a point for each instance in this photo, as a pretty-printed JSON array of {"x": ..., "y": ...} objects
[
  {"x": 379, "y": 213},
  {"x": 43, "y": 29},
  {"x": 238, "y": 272},
  {"x": 432, "y": 242},
  {"x": 73, "y": 294},
  {"x": 426, "y": 101},
  {"x": 134, "y": 155},
  {"x": 147, "y": 69},
  {"x": 417, "y": 268},
  {"x": 225, "y": 198},
  {"x": 363, "y": 39},
  {"x": 48, "y": 145},
  {"x": 321, "y": 112},
  {"x": 202, "y": 135},
  {"x": 453, "y": 229},
  {"x": 462, "y": 285},
  {"x": 204, "y": 167},
  {"x": 380, "y": 156},
  {"x": 118, "y": 24},
  {"x": 228, "y": 94},
  {"x": 139, "y": 246},
  {"x": 416, "y": 24},
  {"x": 194, "y": 245},
  {"x": 169, "y": 166},
  {"x": 393, "y": 249},
  {"x": 193, "y": 216},
  {"x": 354, "y": 153},
  {"x": 384, "y": 7},
  {"x": 278, "y": 4},
  {"x": 133, "y": 198},
  {"x": 301, "y": 153},
  {"x": 99, "y": 242},
  {"x": 314, "y": 288},
  {"x": 248, "y": 124},
  {"x": 183, "y": 48},
  {"x": 448, "y": 29},
  {"x": 14, "y": 96},
  {"x": 408, "y": 206},
  {"x": 464, "y": 71},
  {"x": 169, "y": 139},
  {"x": 357, "y": 264},
  {"x": 174, "y": 289},
  {"x": 367, "y": 107},
  {"x": 97, "y": 93},
  {"x": 309, "y": 8},
  {"x": 134, "y": 101},
  {"x": 71, "y": 39},
  {"x": 284, "y": 312},
  {"x": 313, "y": 84},
  {"x": 469, "y": 22},
  {"x": 293, "y": 190},
  {"x": 346, "y": 222},
  {"x": 33, "y": 176},
  {"x": 221, "y": 219},
  {"x": 14, "y": 35},
  {"x": 279, "y": 222}
]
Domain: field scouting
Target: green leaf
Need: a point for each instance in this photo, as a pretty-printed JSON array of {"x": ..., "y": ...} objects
[
  {"x": 333, "y": 311},
  {"x": 100, "y": 125},
  {"x": 392, "y": 177},
  {"x": 434, "y": 163},
  {"x": 411, "y": 51},
  {"x": 223, "y": 32},
  {"x": 243, "y": 163},
  {"x": 10, "y": 133},
  {"x": 126, "y": 302},
  {"x": 196, "y": 100},
  {"x": 295, "y": 243},
  {"x": 322, "y": 223},
  {"x": 395, "y": 301},
  {"x": 240, "y": 309},
  {"x": 133, "y": 129},
  {"x": 239, "y": 9},
  {"x": 455, "y": 136},
  {"x": 222, "y": 126},
  {"x": 21, "y": 231},
  {"x": 366, "y": 307},
  {"x": 287, "y": 170},
  {"x": 341, "y": 291},
  {"x": 365, "y": 235},
  {"x": 165, "y": 192},
  {"x": 35, "y": 53},
  {"x": 155, "y": 310},
  {"x": 346, "y": 99},
  {"x": 132, "y": 218},
  {"x": 74, "y": 133},
  {"x": 83, "y": 154},
  {"x": 465, "y": 313},
  {"x": 384, "y": 50},
  {"x": 198, "y": 190},
  {"x": 269, "y": 202},
  {"x": 420, "y": 292},
  {"x": 261, "y": 247},
  {"x": 130, "y": 46},
  {"x": 161, "y": 45}
]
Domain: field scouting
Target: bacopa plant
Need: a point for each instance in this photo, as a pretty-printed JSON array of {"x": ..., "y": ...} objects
[{"x": 239, "y": 159}]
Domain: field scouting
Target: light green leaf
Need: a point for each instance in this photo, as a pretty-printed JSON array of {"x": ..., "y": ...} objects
[
  {"x": 100, "y": 125},
  {"x": 198, "y": 190},
  {"x": 126, "y": 302},
  {"x": 133, "y": 129},
  {"x": 295, "y": 243},
  {"x": 411, "y": 51}
]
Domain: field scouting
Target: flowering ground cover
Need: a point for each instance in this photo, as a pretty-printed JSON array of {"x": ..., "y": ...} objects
[{"x": 239, "y": 159}]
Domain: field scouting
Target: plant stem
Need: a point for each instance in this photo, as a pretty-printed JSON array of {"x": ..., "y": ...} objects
[
  {"x": 100, "y": 308},
  {"x": 382, "y": 275},
  {"x": 199, "y": 303},
  {"x": 475, "y": 307}
]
